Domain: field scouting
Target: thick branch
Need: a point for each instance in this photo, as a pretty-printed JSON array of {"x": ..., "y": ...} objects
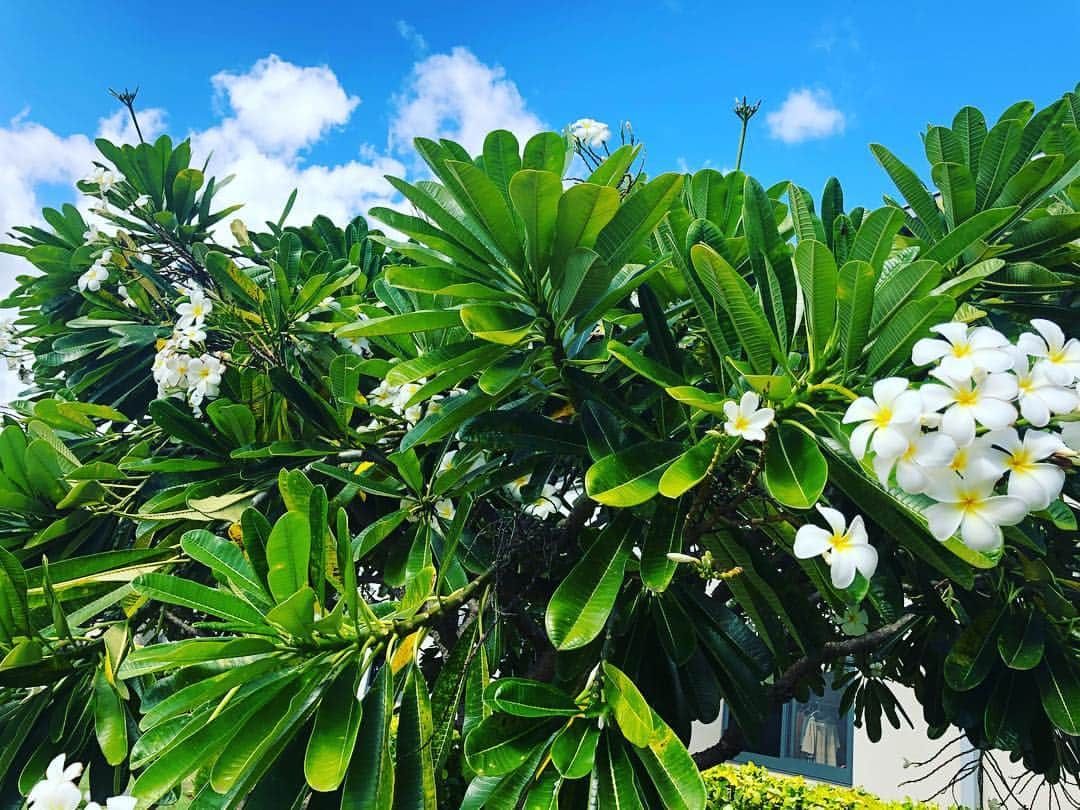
[{"x": 782, "y": 689}]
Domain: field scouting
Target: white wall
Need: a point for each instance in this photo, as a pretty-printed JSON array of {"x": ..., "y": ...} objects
[{"x": 879, "y": 767}]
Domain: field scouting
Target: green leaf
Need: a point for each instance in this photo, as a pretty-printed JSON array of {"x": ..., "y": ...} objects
[
  {"x": 224, "y": 558},
  {"x": 501, "y": 743},
  {"x": 1059, "y": 689},
  {"x": 636, "y": 218},
  {"x": 816, "y": 268},
  {"x": 972, "y": 655},
  {"x": 584, "y": 209},
  {"x": 497, "y": 323},
  {"x": 370, "y": 779},
  {"x": 630, "y": 476},
  {"x": 501, "y": 159},
  {"x": 874, "y": 239},
  {"x": 892, "y": 348},
  {"x": 855, "y": 305},
  {"x": 481, "y": 197},
  {"x": 194, "y": 595},
  {"x": 632, "y": 711},
  {"x": 663, "y": 537},
  {"x": 646, "y": 367},
  {"x": 614, "y": 775},
  {"x": 536, "y": 196},
  {"x": 741, "y": 305},
  {"x": 419, "y": 321},
  {"x": 415, "y": 777},
  {"x": 689, "y": 469},
  {"x": 110, "y": 720},
  {"x": 333, "y": 736},
  {"x": 545, "y": 151},
  {"x": 770, "y": 258},
  {"x": 957, "y": 191},
  {"x": 1022, "y": 639},
  {"x": 288, "y": 553},
  {"x": 795, "y": 470},
  {"x": 672, "y": 770},
  {"x": 526, "y": 698},
  {"x": 573, "y": 751},
  {"x": 969, "y": 126},
  {"x": 913, "y": 190},
  {"x": 911, "y": 281},
  {"x": 580, "y": 606},
  {"x": 967, "y": 234}
]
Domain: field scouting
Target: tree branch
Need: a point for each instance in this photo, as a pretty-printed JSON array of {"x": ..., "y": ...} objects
[{"x": 732, "y": 742}]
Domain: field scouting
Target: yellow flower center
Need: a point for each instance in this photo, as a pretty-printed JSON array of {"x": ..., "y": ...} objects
[
  {"x": 840, "y": 542},
  {"x": 883, "y": 417},
  {"x": 1057, "y": 355},
  {"x": 909, "y": 454},
  {"x": 969, "y": 502},
  {"x": 966, "y": 398},
  {"x": 959, "y": 461},
  {"x": 741, "y": 422},
  {"x": 961, "y": 350},
  {"x": 1021, "y": 461},
  {"x": 1025, "y": 384}
]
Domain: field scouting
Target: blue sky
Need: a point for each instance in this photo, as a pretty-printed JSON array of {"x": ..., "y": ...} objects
[{"x": 864, "y": 72}]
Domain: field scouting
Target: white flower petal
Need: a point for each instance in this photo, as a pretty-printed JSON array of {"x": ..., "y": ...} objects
[
  {"x": 842, "y": 569},
  {"x": 834, "y": 517},
  {"x": 979, "y": 534},
  {"x": 810, "y": 541},
  {"x": 943, "y": 519}
]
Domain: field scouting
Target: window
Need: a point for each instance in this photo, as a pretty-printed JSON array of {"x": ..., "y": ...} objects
[{"x": 811, "y": 739}]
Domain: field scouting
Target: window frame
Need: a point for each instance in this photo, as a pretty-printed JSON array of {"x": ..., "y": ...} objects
[{"x": 794, "y": 766}]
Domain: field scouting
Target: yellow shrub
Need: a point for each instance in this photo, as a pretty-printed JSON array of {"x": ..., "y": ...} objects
[{"x": 749, "y": 787}]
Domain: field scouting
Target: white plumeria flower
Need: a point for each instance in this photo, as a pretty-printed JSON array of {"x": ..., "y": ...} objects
[
  {"x": 93, "y": 278},
  {"x": 1059, "y": 357},
  {"x": 100, "y": 206},
  {"x": 444, "y": 508},
  {"x": 204, "y": 374},
  {"x": 514, "y": 487},
  {"x": 985, "y": 400},
  {"x": 962, "y": 353},
  {"x": 384, "y": 395},
  {"x": 546, "y": 504},
  {"x": 1038, "y": 395},
  {"x": 886, "y": 419},
  {"x": 1032, "y": 481},
  {"x": 176, "y": 370},
  {"x": 102, "y": 178},
  {"x": 968, "y": 504},
  {"x": 187, "y": 335},
  {"x": 127, "y": 300},
  {"x": 142, "y": 201},
  {"x": 357, "y": 345},
  {"x": 746, "y": 419},
  {"x": 58, "y": 790},
  {"x": 975, "y": 459},
  {"x": 91, "y": 234},
  {"x": 194, "y": 310},
  {"x": 590, "y": 131},
  {"x": 845, "y": 548},
  {"x": 925, "y": 453}
]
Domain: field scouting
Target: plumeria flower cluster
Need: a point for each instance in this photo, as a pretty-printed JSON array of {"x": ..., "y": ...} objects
[
  {"x": 180, "y": 370},
  {"x": 95, "y": 275},
  {"x": 590, "y": 132},
  {"x": 957, "y": 438},
  {"x": 59, "y": 790},
  {"x": 746, "y": 419}
]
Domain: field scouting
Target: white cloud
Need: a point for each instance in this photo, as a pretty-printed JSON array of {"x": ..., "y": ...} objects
[
  {"x": 805, "y": 115},
  {"x": 457, "y": 96},
  {"x": 412, "y": 36},
  {"x": 282, "y": 107},
  {"x": 273, "y": 113}
]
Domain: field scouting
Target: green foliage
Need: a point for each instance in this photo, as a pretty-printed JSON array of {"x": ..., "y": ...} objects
[
  {"x": 749, "y": 787},
  {"x": 427, "y": 519}
]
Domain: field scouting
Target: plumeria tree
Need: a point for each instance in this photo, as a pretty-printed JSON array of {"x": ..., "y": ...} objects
[{"x": 487, "y": 508}]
